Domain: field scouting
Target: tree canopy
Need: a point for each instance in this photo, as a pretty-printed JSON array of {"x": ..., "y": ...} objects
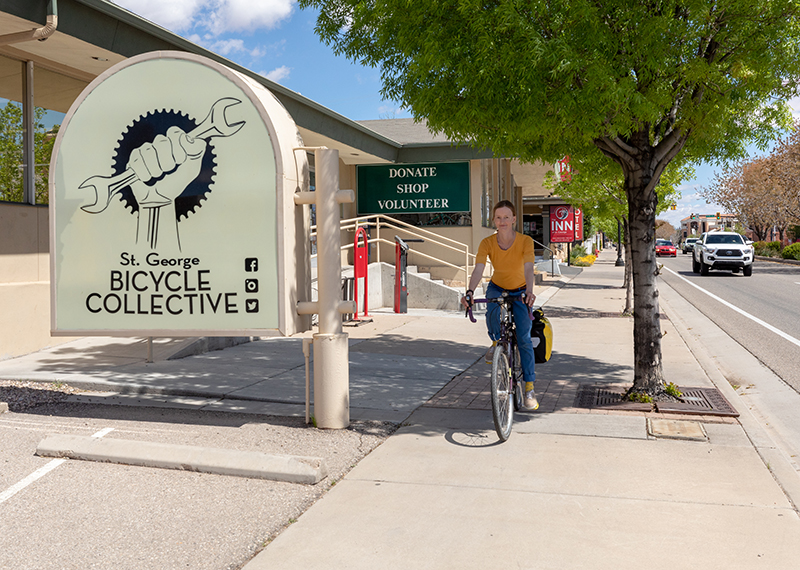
[
  {"x": 641, "y": 81},
  {"x": 539, "y": 79}
]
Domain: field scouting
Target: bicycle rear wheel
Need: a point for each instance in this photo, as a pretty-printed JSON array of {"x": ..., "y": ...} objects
[{"x": 502, "y": 398}]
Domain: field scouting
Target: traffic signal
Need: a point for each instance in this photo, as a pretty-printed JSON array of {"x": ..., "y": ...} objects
[{"x": 718, "y": 216}]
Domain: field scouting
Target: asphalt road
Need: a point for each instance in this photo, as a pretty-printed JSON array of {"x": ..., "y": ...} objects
[{"x": 770, "y": 295}]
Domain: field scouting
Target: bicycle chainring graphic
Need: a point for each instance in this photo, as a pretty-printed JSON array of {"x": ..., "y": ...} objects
[{"x": 144, "y": 130}]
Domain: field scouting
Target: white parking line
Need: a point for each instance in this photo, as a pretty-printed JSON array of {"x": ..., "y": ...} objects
[
  {"x": 767, "y": 326},
  {"x": 41, "y": 472},
  {"x": 38, "y": 474}
]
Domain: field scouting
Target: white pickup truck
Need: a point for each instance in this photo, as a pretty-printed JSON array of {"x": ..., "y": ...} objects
[{"x": 723, "y": 251}]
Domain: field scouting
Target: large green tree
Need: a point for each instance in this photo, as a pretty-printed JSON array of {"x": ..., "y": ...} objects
[
  {"x": 11, "y": 183},
  {"x": 641, "y": 81}
]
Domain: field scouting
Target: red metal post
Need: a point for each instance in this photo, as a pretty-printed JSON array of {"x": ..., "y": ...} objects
[{"x": 360, "y": 268}]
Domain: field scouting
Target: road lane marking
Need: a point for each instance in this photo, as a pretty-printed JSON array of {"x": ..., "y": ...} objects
[
  {"x": 41, "y": 472},
  {"x": 767, "y": 326}
]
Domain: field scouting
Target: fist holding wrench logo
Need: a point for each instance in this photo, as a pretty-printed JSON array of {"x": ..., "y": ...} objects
[{"x": 165, "y": 167}]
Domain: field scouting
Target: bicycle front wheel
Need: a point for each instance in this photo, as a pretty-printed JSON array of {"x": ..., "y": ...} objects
[{"x": 502, "y": 398}]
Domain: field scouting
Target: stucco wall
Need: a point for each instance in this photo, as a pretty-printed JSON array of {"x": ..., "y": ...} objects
[{"x": 24, "y": 280}]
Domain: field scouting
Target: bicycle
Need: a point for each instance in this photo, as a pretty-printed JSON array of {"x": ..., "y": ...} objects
[{"x": 507, "y": 386}]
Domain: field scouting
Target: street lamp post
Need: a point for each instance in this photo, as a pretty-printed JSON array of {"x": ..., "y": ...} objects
[{"x": 620, "y": 262}]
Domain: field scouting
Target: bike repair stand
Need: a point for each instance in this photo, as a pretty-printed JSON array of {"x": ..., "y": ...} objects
[{"x": 401, "y": 274}]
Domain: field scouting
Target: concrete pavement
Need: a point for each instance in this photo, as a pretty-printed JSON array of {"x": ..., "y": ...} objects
[{"x": 574, "y": 487}]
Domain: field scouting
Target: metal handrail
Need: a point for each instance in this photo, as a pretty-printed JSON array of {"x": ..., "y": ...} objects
[
  {"x": 379, "y": 220},
  {"x": 552, "y": 256}
]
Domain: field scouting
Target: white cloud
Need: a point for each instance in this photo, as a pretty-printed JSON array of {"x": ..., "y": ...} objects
[
  {"x": 219, "y": 16},
  {"x": 247, "y": 15},
  {"x": 226, "y": 47},
  {"x": 278, "y": 73},
  {"x": 794, "y": 105},
  {"x": 175, "y": 15}
]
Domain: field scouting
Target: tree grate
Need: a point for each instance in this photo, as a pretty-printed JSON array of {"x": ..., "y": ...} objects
[
  {"x": 695, "y": 401},
  {"x": 701, "y": 401}
]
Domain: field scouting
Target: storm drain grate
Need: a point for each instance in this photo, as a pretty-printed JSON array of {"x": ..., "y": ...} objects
[
  {"x": 697, "y": 401},
  {"x": 593, "y": 397},
  {"x": 705, "y": 401}
]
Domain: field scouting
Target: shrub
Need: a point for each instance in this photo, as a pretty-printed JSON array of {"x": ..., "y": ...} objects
[
  {"x": 584, "y": 261},
  {"x": 577, "y": 251},
  {"x": 767, "y": 248},
  {"x": 791, "y": 251}
]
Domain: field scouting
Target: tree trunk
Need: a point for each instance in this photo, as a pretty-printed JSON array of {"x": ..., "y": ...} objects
[
  {"x": 628, "y": 269},
  {"x": 642, "y": 200}
]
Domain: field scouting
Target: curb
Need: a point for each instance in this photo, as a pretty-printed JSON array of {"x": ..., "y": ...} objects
[
  {"x": 777, "y": 260},
  {"x": 292, "y": 469}
]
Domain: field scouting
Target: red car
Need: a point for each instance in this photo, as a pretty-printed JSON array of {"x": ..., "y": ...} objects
[{"x": 665, "y": 247}]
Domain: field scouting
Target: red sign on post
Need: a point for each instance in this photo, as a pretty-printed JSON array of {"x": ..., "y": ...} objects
[
  {"x": 562, "y": 224},
  {"x": 578, "y": 214}
]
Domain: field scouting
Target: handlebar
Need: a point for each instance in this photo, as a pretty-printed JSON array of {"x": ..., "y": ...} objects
[{"x": 498, "y": 300}]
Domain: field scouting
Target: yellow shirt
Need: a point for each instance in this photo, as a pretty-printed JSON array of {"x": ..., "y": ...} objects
[{"x": 508, "y": 266}]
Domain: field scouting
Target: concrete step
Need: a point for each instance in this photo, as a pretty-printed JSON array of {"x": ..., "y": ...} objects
[{"x": 423, "y": 293}]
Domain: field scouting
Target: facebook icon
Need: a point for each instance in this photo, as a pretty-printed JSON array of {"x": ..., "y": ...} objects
[{"x": 251, "y": 264}]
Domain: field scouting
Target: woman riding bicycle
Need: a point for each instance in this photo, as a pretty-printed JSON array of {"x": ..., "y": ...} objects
[{"x": 512, "y": 257}]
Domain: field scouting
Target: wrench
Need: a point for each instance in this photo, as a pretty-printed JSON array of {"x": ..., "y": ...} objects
[{"x": 214, "y": 125}]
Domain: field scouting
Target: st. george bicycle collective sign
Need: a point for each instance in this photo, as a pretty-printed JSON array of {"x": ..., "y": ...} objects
[{"x": 163, "y": 198}]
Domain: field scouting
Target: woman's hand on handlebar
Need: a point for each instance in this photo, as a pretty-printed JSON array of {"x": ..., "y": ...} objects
[
  {"x": 466, "y": 299},
  {"x": 529, "y": 299}
]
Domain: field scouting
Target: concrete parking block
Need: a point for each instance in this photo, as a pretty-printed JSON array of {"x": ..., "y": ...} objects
[{"x": 292, "y": 469}]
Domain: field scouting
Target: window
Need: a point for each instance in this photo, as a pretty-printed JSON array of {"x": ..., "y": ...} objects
[{"x": 48, "y": 114}]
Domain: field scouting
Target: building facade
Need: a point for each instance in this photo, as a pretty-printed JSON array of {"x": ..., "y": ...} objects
[{"x": 91, "y": 36}]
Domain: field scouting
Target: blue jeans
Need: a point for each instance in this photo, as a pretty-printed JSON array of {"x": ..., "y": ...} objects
[{"x": 522, "y": 322}]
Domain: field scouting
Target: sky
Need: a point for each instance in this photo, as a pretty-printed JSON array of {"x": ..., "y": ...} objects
[{"x": 276, "y": 39}]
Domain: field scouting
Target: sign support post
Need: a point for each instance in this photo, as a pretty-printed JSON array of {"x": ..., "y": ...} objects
[{"x": 331, "y": 352}]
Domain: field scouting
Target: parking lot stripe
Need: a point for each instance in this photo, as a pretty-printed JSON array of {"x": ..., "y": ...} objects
[
  {"x": 38, "y": 474},
  {"x": 41, "y": 472},
  {"x": 103, "y": 432}
]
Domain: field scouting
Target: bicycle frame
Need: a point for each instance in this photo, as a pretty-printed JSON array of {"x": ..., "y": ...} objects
[{"x": 503, "y": 399}]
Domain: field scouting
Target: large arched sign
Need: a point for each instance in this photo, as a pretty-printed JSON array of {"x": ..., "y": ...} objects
[{"x": 171, "y": 204}]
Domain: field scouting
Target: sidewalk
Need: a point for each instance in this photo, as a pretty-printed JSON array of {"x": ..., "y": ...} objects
[
  {"x": 578, "y": 485},
  {"x": 572, "y": 488}
]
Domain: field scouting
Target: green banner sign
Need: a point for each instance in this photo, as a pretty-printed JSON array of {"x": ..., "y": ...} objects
[{"x": 413, "y": 188}]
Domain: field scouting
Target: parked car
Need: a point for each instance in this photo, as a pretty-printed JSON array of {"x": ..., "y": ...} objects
[
  {"x": 688, "y": 245},
  {"x": 665, "y": 247},
  {"x": 723, "y": 250}
]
